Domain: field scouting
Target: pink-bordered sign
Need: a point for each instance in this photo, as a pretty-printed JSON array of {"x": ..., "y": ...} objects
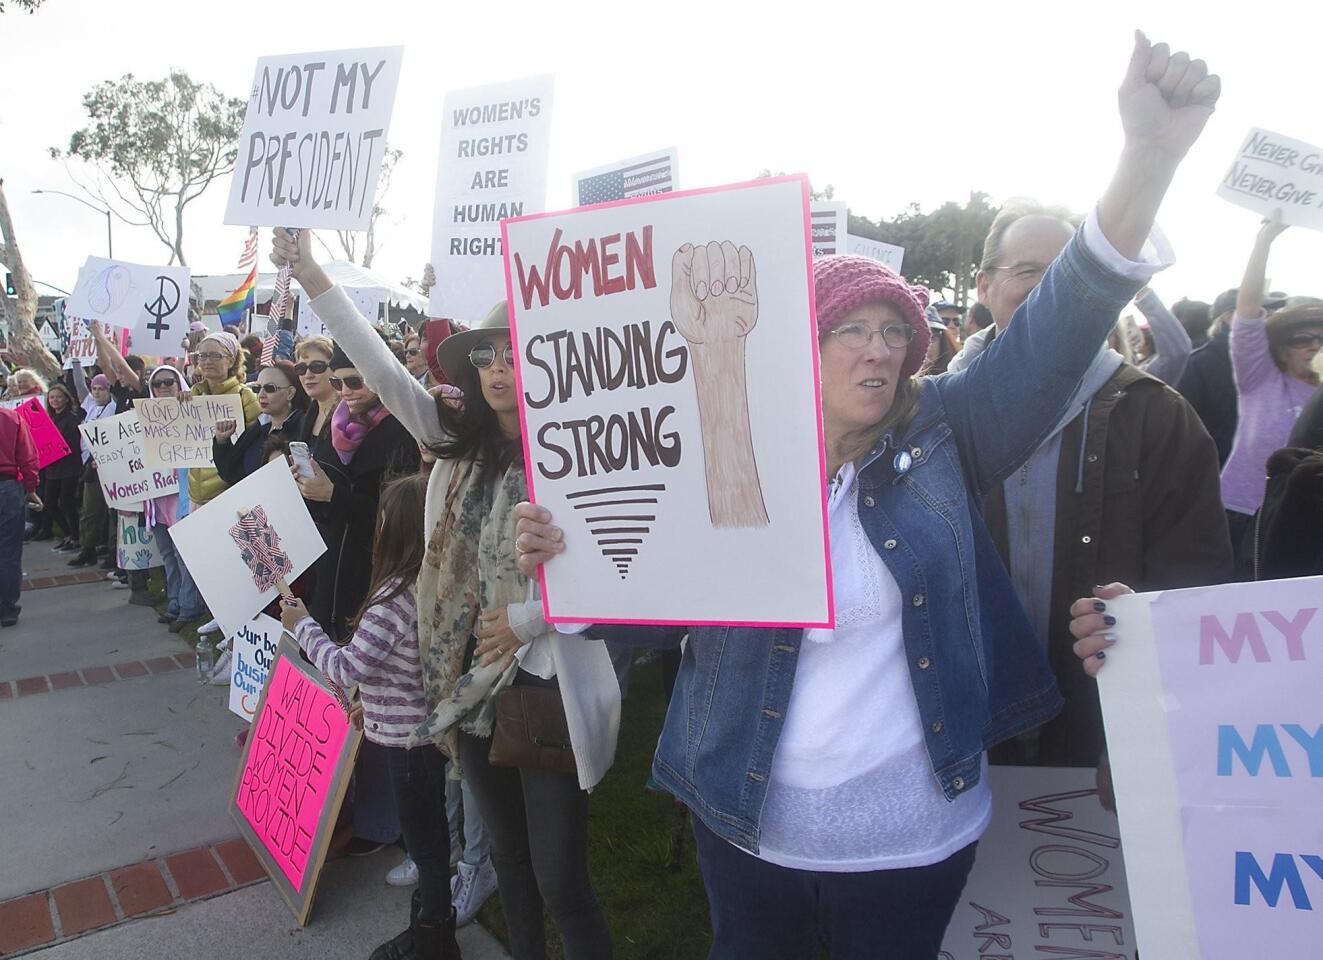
[{"x": 612, "y": 309}]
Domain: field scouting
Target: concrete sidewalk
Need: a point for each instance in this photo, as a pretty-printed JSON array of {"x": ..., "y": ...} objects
[{"x": 117, "y": 755}]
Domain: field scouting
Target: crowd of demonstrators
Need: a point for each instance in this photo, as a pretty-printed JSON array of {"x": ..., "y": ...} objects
[{"x": 283, "y": 403}]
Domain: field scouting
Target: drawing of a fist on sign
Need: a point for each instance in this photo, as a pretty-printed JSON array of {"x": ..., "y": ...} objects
[{"x": 714, "y": 305}]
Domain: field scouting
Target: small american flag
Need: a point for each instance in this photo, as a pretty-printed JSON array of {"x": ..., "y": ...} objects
[
  {"x": 269, "y": 349},
  {"x": 641, "y": 178},
  {"x": 259, "y": 546},
  {"x": 249, "y": 256}
]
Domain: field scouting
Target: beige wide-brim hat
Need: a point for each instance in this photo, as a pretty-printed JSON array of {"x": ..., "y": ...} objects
[{"x": 453, "y": 354}]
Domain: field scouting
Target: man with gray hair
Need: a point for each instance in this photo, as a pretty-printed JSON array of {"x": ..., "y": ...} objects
[{"x": 1125, "y": 488}]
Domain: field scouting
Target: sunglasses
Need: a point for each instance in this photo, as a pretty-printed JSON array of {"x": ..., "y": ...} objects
[
  {"x": 317, "y": 366},
  {"x": 164, "y": 383},
  {"x": 1305, "y": 340},
  {"x": 412, "y": 352},
  {"x": 209, "y": 357},
  {"x": 484, "y": 355},
  {"x": 346, "y": 383},
  {"x": 267, "y": 387}
]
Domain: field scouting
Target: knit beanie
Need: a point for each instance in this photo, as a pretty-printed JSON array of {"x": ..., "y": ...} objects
[
  {"x": 842, "y": 283},
  {"x": 101, "y": 380}
]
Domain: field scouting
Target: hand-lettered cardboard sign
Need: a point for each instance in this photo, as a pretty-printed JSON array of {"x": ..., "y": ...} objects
[
  {"x": 150, "y": 302},
  {"x": 292, "y": 777},
  {"x": 82, "y": 345},
  {"x": 137, "y": 546},
  {"x": 46, "y": 436},
  {"x": 1215, "y": 735},
  {"x": 830, "y": 218},
  {"x": 643, "y": 176},
  {"x": 253, "y": 650},
  {"x": 178, "y": 433},
  {"x": 126, "y": 478},
  {"x": 493, "y": 165},
  {"x": 222, "y": 572},
  {"x": 1049, "y": 879},
  {"x": 887, "y": 254},
  {"x": 313, "y": 139},
  {"x": 667, "y": 377},
  {"x": 1273, "y": 172}
]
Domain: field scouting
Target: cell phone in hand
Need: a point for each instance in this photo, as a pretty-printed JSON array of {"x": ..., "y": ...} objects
[{"x": 298, "y": 452}]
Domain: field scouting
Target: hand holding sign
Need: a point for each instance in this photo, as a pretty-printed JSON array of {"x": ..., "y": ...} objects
[{"x": 714, "y": 305}]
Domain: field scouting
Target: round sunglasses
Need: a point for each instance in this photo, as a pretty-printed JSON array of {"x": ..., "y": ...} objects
[{"x": 484, "y": 355}]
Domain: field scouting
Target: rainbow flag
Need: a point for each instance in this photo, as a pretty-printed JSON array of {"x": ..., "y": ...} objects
[{"x": 233, "y": 307}]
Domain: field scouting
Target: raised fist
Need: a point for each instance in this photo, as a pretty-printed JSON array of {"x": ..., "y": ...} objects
[
  {"x": 1166, "y": 98},
  {"x": 714, "y": 291}
]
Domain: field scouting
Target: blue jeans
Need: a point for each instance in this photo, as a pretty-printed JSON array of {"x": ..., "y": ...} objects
[
  {"x": 12, "y": 521},
  {"x": 477, "y": 845},
  {"x": 418, "y": 777},
  {"x": 185, "y": 602},
  {"x": 374, "y": 812},
  {"x": 775, "y": 913}
]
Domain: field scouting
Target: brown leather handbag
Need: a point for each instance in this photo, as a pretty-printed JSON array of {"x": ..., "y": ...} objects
[{"x": 531, "y": 730}]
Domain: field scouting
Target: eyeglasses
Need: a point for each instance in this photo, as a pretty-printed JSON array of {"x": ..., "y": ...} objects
[
  {"x": 164, "y": 384},
  {"x": 269, "y": 387},
  {"x": 1021, "y": 272},
  {"x": 856, "y": 336},
  {"x": 209, "y": 357},
  {"x": 484, "y": 355},
  {"x": 1306, "y": 340},
  {"x": 317, "y": 366},
  {"x": 412, "y": 352},
  {"x": 346, "y": 383}
]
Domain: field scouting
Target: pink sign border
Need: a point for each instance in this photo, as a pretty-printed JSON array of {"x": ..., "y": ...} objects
[{"x": 803, "y": 181}]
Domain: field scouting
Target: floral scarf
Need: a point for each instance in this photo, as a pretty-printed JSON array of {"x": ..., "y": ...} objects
[
  {"x": 469, "y": 567},
  {"x": 349, "y": 431}
]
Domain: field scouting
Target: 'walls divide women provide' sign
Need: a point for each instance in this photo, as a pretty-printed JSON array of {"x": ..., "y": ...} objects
[
  {"x": 668, "y": 383},
  {"x": 1215, "y": 735}
]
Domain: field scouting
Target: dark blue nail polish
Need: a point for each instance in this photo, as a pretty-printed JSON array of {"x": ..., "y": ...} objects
[
  {"x": 1101, "y": 654},
  {"x": 1099, "y": 606},
  {"x": 1109, "y": 620}
]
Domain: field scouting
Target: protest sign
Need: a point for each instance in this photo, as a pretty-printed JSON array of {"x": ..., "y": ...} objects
[
  {"x": 830, "y": 220},
  {"x": 292, "y": 777},
  {"x": 1273, "y": 172},
  {"x": 887, "y": 254},
  {"x": 642, "y": 176},
  {"x": 46, "y": 436},
  {"x": 493, "y": 165},
  {"x": 82, "y": 345},
  {"x": 137, "y": 546},
  {"x": 667, "y": 375},
  {"x": 253, "y": 649},
  {"x": 313, "y": 138},
  {"x": 126, "y": 478},
  {"x": 1215, "y": 734},
  {"x": 236, "y": 579},
  {"x": 178, "y": 433},
  {"x": 1049, "y": 879},
  {"x": 149, "y": 302}
]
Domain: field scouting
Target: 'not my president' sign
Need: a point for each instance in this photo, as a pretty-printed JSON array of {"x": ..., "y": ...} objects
[{"x": 668, "y": 384}]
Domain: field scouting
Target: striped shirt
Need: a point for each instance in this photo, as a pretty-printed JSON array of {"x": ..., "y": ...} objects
[{"x": 382, "y": 661}]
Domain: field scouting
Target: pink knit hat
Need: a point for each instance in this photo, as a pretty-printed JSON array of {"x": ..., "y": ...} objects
[{"x": 843, "y": 283}]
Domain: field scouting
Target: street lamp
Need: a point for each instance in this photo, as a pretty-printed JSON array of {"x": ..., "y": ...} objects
[{"x": 110, "y": 247}]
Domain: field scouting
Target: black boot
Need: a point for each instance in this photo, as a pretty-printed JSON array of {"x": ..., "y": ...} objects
[
  {"x": 401, "y": 946},
  {"x": 436, "y": 941}
]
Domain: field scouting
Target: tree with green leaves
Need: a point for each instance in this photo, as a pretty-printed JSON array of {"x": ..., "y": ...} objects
[
  {"x": 153, "y": 147},
  {"x": 28, "y": 5}
]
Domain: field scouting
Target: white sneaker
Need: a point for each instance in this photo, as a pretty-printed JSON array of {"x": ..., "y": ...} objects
[
  {"x": 405, "y": 874},
  {"x": 470, "y": 889},
  {"x": 211, "y": 626},
  {"x": 220, "y": 674}
]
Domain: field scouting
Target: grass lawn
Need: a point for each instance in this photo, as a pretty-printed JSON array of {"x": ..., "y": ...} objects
[{"x": 641, "y": 851}]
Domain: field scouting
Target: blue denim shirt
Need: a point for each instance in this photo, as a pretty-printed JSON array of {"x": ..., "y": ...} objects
[{"x": 978, "y": 672}]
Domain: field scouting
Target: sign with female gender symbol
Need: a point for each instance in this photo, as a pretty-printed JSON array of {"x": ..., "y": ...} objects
[{"x": 150, "y": 302}]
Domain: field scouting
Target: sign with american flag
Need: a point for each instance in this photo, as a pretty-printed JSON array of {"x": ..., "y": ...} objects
[
  {"x": 829, "y": 223},
  {"x": 643, "y": 176},
  {"x": 259, "y": 546}
]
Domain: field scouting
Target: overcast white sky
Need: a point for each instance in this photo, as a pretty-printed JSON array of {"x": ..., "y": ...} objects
[{"x": 889, "y": 102}]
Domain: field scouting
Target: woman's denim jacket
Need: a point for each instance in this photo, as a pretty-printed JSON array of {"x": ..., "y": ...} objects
[{"x": 979, "y": 673}]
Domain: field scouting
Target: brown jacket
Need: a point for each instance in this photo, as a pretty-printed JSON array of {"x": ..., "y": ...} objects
[{"x": 1148, "y": 513}]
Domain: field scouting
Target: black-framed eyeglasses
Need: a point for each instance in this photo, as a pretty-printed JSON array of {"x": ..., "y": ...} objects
[
  {"x": 856, "y": 336},
  {"x": 270, "y": 387},
  {"x": 346, "y": 383},
  {"x": 317, "y": 366},
  {"x": 484, "y": 355},
  {"x": 164, "y": 384},
  {"x": 1306, "y": 340}
]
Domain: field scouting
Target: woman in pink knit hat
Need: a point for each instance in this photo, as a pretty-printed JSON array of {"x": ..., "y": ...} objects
[{"x": 836, "y": 777}]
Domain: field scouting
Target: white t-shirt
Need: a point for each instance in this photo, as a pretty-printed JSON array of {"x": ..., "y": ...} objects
[{"x": 852, "y": 788}]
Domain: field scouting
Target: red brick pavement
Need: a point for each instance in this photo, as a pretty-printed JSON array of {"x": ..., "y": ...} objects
[{"x": 90, "y": 676}]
